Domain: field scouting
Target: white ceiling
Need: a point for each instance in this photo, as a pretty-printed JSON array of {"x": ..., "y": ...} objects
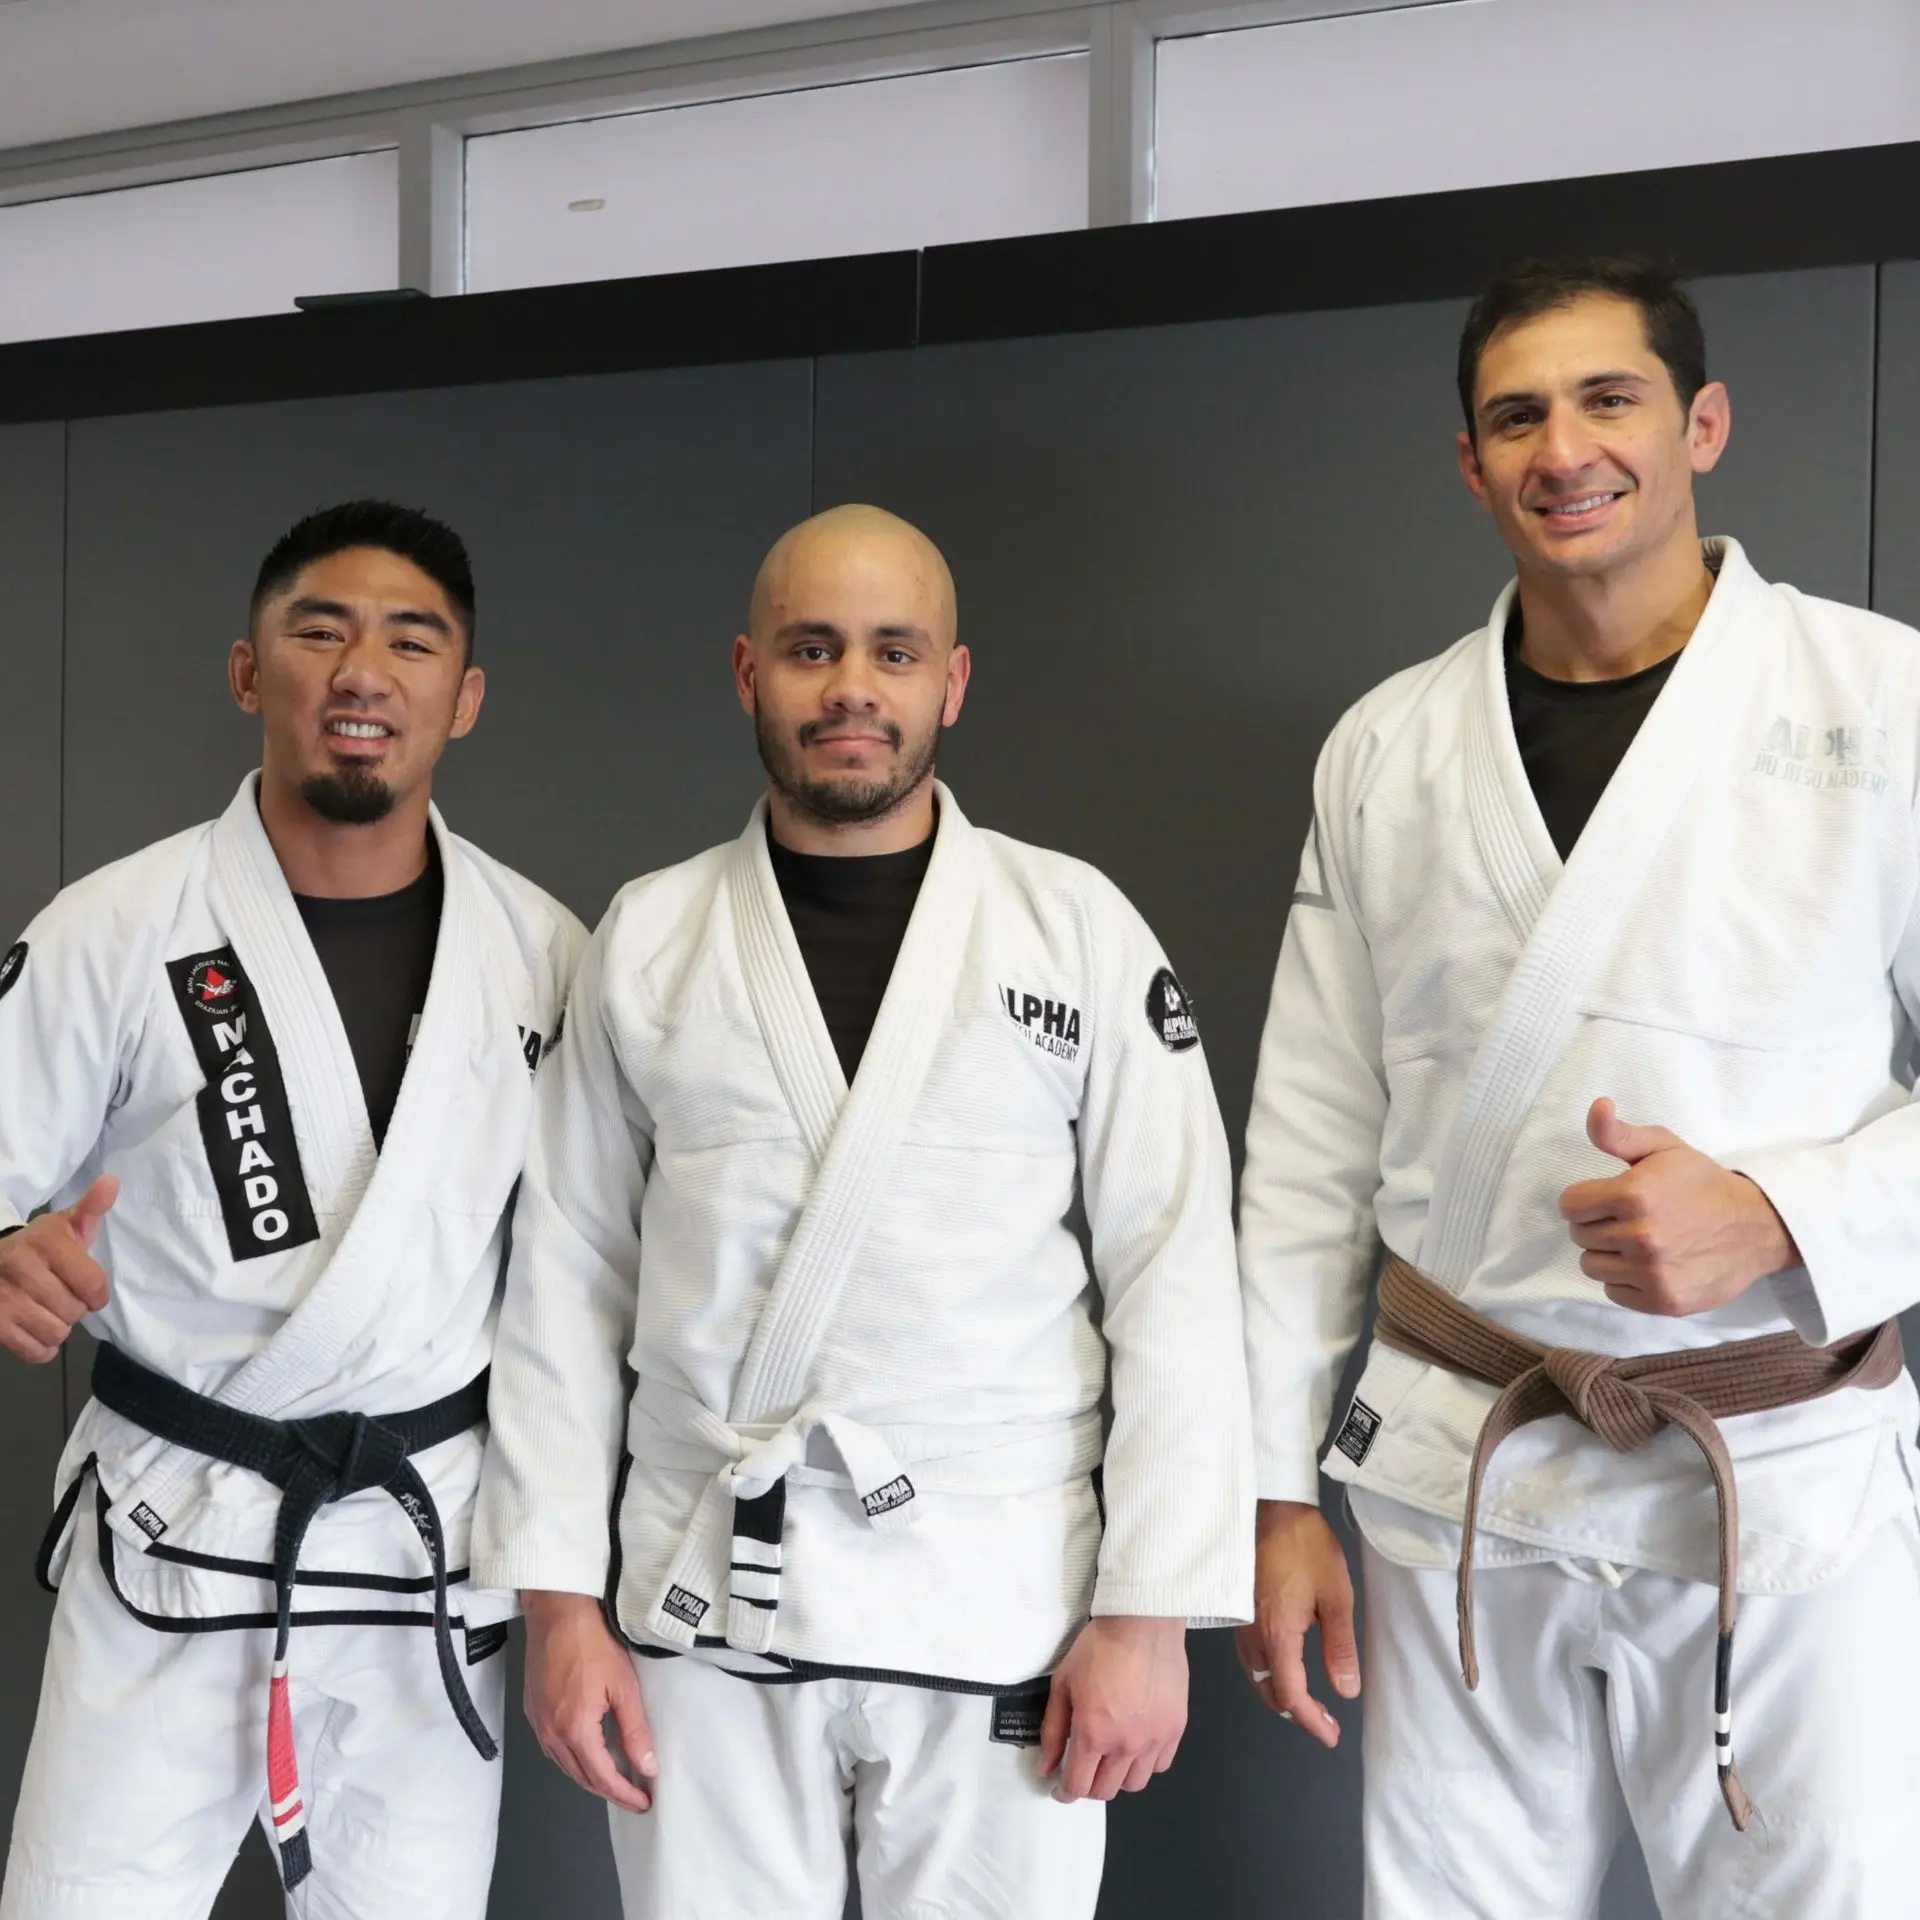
[{"x": 86, "y": 66}]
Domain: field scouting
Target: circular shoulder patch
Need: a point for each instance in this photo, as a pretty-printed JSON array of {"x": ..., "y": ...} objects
[
  {"x": 1170, "y": 1013},
  {"x": 11, "y": 966}
]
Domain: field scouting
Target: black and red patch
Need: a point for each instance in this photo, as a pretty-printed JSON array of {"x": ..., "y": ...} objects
[{"x": 246, "y": 1124}]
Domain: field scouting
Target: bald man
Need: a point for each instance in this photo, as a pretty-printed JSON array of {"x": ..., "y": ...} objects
[{"x": 795, "y": 1297}]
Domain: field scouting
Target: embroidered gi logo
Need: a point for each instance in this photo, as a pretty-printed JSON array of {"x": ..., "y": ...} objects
[
  {"x": 896, "y": 1493},
  {"x": 1050, "y": 1025},
  {"x": 1828, "y": 759},
  {"x": 1170, "y": 1013},
  {"x": 12, "y": 967},
  {"x": 1358, "y": 1432},
  {"x": 532, "y": 1049},
  {"x": 149, "y": 1522},
  {"x": 211, "y": 989},
  {"x": 688, "y": 1608}
]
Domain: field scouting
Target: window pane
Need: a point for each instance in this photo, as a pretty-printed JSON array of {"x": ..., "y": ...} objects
[
  {"x": 1425, "y": 98},
  {"x": 209, "y": 249},
  {"x": 966, "y": 154}
]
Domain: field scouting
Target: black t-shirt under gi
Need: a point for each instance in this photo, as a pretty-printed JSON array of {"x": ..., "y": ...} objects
[
  {"x": 1573, "y": 734},
  {"x": 377, "y": 955},
  {"x": 849, "y": 914}
]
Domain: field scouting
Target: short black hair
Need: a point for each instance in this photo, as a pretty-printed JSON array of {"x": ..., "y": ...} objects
[
  {"x": 429, "y": 544},
  {"x": 1530, "y": 288}
]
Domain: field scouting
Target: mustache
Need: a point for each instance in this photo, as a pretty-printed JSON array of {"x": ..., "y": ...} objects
[{"x": 813, "y": 732}]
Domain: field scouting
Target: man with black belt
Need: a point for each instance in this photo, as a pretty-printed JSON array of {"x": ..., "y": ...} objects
[
  {"x": 804, "y": 1164},
  {"x": 264, "y": 1093},
  {"x": 1648, "y": 837}
]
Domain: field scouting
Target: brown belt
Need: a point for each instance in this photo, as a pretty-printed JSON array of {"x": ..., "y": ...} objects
[{"x": 1626, "y": 1402}]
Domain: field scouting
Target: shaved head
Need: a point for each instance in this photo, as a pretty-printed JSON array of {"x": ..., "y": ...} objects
[
  {"x": 851, "y": 666},
  {"x": 865, "y": 539}
]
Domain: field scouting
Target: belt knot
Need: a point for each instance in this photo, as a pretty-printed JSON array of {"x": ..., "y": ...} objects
[
  {"x": 1600, "y": 1399},
  {"x": 360, "y": 1452}
]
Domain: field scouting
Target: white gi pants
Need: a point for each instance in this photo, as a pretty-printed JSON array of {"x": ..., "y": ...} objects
[
  {"x": 763, "y": 1786},
  {"x": 149, "y": 1759},
  {"x": 1595, "y": 1709}
]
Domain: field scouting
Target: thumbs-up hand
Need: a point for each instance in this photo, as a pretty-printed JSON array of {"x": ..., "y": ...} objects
[
  {"x": 48, "y": 1277},
  {"x": 1676, "y": 1233}
]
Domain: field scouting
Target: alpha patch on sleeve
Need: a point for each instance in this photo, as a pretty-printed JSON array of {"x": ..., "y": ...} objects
[
  {"x": 1170, "y": 1013},
  {"x": 484, "y": 1642},
  {"x": 245, "y": 1121},
  {"x": 12, "y": 967},
  {"x": 1358, "y": 1431},
  {"x": 1018, "y": 1713}
]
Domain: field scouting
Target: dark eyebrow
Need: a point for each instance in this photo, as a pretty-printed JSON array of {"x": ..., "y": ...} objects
[
  {"x": 1591, "y": 384},
  {"x": 308, "y": 607},
  {"x": 311, "y": 607},
  {"x": 420, "y": 617},
  {"x": 900, "y": 631},
  {"x": 809, "y": 630}
]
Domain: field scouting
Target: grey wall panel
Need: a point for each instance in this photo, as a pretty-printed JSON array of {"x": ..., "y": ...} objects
[
  {"x": 1796, "y": 486},
  {"x": 614, "y": 523},
  {"x": 615, "y": 526},
  {"x": 1896, "y": 530},
  {"x": 32, "y": 541},
  {"x": 1180, "y": 554}
]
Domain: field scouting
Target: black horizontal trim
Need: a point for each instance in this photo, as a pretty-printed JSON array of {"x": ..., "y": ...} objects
[
  {"x": 775, "y": 312},
  {"x": 1853, "y": 206},
  {"x": 787, "y": 1672},
  {"x": 244, "y": 1622},
  {"x": 304, "y": 1576},
  {"x": 1856, "y": 205}
]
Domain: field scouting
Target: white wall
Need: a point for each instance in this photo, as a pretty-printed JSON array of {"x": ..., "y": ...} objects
[
  {"x": 967, "y": 154},
  {"x": 210, "y": 249},
  {"x": 1481, "y": 92}
]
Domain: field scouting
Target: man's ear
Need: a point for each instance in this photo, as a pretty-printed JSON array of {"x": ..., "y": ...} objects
[
  {"x": 243, "y": 675},
  {"x": 466, "y": 709},
  {"x": 744, "y": 667},
  {"x": 1709, "y": 426},
  {"x": 959, "y": 674},
  {"x": 1468, "y": 456}
]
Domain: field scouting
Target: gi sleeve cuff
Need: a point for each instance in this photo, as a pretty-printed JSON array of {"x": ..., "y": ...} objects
[{"x": 1791, "y": 1180}]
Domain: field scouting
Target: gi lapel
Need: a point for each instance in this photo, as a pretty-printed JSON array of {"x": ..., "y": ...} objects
[
  {"x": 252, "y": 902},
  {"x": 855, "y": 1149},
  {"x": 733, "y": 1541},
  {"x": 1565, "y": 926}
]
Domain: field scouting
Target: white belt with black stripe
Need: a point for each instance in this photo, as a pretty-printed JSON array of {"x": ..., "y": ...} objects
[{"x": 734, "y": 1542}]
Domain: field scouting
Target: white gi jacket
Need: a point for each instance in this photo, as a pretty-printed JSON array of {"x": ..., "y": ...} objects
[
  {"x": 878, "y": 1288},
  {"x": 1732, "y": 951},
  {"x": 260, "y": 1250}
]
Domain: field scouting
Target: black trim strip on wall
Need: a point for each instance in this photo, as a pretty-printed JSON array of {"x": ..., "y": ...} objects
[{"x": 1854, "y": 206}]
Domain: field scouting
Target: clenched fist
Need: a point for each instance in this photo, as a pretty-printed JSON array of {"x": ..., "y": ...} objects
[
  {"x": 1677, "y": 1233},
  {"x": 48, "y": 1277}
]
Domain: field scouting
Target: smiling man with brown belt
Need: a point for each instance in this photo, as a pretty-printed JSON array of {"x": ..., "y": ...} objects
[{"x": 1648, "y": 837}]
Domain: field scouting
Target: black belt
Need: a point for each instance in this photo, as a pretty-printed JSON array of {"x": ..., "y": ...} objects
[{"x": 313, "y": 1462}]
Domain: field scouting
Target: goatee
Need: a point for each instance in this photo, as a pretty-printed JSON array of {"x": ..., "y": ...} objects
[
  {"x": 849, "y": 802},
  {"x": 348, "y": 796}
]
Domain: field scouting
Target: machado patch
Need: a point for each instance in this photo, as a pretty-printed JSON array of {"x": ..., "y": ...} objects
[
  {"x": 1358, "y": 1431},
  {"x": 1170, "y": 1013},
  {"x": 12, "y": 967},
  {"x": 1018, "y": 1712},
  {"x": 245, "y": 1122}
]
